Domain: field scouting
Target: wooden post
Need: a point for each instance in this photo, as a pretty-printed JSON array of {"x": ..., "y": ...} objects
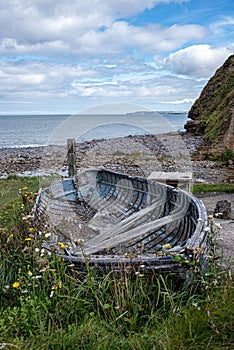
[{"x": 71, "y": 157}]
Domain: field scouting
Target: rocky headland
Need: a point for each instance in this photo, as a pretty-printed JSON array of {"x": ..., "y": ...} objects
[{"x": 212, "y": 115}]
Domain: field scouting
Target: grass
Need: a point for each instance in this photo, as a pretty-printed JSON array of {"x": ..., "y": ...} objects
[
  {"x": 204, "y": 188},
  {"x": 9, "y": 188},
  {"x": 46, "y": 304},
  {"x": 224, "y": 158}
]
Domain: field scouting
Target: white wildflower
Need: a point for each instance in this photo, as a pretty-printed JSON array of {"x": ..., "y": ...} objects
[
  {"x": 217, "y": 215},
  {"x": 43, "y": 270},
  {"x": 36, "y": 277},
  {"x": 218, "y": 225},
  {"x": 139, "y": 274},
  {"x": 47, "y": 235},
  {"x": 196, "y": 306}
]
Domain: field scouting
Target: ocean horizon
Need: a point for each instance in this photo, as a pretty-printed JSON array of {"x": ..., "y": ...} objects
[{"x": 40, "y": 130}]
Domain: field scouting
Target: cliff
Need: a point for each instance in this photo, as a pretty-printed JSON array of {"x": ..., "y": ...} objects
[{"x": 212, "y": 114}]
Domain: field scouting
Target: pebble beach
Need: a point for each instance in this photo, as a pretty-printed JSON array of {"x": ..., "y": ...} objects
[{"x": 138, "y": 155}]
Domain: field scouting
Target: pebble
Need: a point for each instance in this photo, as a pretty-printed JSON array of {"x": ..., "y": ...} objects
[{"x": 136, "y": 155}]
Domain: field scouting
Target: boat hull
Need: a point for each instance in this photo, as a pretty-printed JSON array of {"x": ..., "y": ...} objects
[{"x": 113, "y": 219}]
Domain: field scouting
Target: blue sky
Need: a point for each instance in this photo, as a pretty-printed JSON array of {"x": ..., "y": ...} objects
[{"x": 65, "y": 56}]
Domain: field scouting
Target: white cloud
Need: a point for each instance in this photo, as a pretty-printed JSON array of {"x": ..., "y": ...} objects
[
  {"x": 63, "y": 53},
  {"x": 197, "y": 60},
  {"x": 94, "y": 13},
  {"x": 220, "y": 26},
  {"x": 52, "y": 27},
  {"x": 179, "y": 102},
  {"x": 34, "y": 20},
  {"x": 129, "y": 81},
  {"x": 118, "y": 38},
  {"x": 152, "y": 38},
  {"x": 10, "y": 47},
  {"x": 30, "y": 79}
]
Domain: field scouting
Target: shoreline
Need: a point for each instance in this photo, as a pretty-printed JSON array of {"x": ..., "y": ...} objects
[{"x": 140, "y": 155}]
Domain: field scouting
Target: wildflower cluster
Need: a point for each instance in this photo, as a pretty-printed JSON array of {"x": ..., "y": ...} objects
[{"x": 27, "y": 262}]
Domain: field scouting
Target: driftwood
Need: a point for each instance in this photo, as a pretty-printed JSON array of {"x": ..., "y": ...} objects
[{"x": 71, "y": 157}]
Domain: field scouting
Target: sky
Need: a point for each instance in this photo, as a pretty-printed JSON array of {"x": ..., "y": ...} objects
[{"x": 64, "y": 56}]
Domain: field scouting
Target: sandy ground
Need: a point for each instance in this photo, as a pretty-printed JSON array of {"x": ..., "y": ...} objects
[{"x": 225, "y": 234}]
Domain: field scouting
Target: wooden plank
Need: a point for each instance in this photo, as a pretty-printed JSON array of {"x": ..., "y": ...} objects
[{"x": 71, "y": 157}]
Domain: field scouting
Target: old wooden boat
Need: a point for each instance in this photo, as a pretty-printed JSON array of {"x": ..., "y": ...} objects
[{"x": 114, "y": 220}]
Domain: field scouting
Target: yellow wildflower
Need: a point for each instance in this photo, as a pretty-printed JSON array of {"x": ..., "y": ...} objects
[
  {"x": 29, "y": 273},
  {"x": 28, "y": 239},
  {"x": 3, "y": 230},
  {"x": 166, "y": 246},
  {"x": 62, "y": 245},
  {"x": 15, "y": 285},
  {"x": 25, "y": 188}
]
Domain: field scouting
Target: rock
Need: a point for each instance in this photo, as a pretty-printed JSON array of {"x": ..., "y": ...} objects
[{"x": 223, "y": 209}]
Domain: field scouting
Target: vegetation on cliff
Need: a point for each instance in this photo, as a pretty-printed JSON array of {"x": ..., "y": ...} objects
[{"x": 212, "y": 113}]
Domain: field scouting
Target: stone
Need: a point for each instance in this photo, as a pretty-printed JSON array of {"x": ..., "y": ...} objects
[{"x": 223, "y": 209}]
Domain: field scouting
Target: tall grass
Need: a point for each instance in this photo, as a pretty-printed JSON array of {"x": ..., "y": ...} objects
[{"x": 48, "y": 304}]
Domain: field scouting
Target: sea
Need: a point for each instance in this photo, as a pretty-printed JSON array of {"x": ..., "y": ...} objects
[{"x": 40, "y": 130}]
